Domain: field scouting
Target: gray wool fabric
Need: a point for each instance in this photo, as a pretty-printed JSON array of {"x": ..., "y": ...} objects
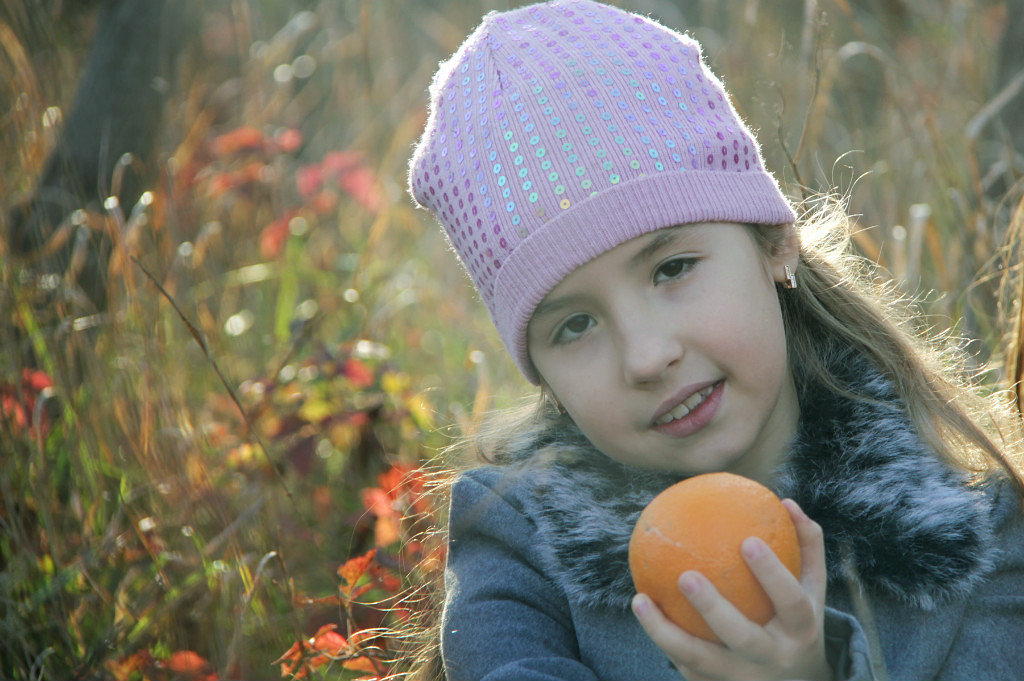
[{"x": 538, "y": 585}]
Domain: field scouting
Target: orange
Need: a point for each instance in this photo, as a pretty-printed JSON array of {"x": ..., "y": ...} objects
[{"x": 699, "y": 524}]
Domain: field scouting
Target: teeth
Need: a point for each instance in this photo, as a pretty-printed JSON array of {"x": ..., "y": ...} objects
[{"x": 688, "y": 405}]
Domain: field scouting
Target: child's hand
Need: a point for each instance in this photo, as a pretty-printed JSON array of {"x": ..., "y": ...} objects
[{"x": 790, "y": 646}]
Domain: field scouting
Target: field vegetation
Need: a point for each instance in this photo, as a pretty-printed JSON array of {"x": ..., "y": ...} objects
[{"x": 221, "y": 474}]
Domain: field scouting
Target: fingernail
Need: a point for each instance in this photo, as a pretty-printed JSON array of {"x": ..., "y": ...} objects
[
  {"x": 754, "y": 547},
  {"x": 689, "y": 583},
  {"x": 641, "y": 605}
]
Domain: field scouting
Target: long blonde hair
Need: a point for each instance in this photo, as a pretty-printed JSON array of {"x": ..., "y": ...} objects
[{"x": 840, "y": 302}]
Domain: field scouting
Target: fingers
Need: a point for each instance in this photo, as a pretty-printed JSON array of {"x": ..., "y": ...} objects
[
  {"x": 696, "y": 658},
  {"x": 791, "y": 644},
  {"x": 732, "y": 626},
  {"x": 798, "y": 604},
  {"x": 794, "y": 607},
  {"x": 812, "y": 551}
]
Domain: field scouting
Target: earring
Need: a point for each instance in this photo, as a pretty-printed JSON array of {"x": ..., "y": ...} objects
[
  {"x": 556, "y": 404},
  {"x": 790, "y": 282},
  {"x": 559, "y": 407}
]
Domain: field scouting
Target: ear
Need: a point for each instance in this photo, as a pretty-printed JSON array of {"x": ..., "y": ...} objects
[{"x": 785, "y": 251}]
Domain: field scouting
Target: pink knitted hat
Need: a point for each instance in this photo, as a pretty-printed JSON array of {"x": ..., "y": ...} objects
[{"x": 560, "y": 130}]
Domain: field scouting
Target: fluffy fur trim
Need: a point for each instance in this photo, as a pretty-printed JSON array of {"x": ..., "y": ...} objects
[{"x": 913, "y": 528}]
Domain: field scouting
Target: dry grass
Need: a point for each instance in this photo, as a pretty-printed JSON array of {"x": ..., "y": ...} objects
[{"x": 206, "y": 470}]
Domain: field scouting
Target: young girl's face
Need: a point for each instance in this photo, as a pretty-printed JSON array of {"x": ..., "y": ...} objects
[{"x": 669, "y": 351}]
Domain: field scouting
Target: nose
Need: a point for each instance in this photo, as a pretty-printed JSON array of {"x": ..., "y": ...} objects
[{"x": 648, "y": 347}]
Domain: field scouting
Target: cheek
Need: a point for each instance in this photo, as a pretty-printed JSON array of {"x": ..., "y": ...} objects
[{"x": 752, "y": 334}]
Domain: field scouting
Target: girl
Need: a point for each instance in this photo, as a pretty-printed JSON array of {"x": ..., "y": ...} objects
[{"x": 645, "y": 270}]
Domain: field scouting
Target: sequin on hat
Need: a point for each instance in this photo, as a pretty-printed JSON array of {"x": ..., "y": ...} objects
[{"x": 560, "y": 130}]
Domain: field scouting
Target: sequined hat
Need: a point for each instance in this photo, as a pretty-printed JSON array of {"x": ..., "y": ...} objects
[{"x": 560, "y": 130}]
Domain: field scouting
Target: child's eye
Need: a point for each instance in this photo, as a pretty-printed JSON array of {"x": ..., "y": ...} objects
[
  {"x": 673, "y": 268},
  {"x": 573, "y": 327}
]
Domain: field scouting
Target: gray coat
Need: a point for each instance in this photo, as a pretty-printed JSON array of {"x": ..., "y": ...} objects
[{"x": 926, "y": 571}]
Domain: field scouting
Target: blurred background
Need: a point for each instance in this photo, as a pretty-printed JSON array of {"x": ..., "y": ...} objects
[{"x": 229, "y": 342}]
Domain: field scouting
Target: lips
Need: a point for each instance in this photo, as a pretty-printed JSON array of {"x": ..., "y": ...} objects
[
  {"x": 686, "y": 406},
  {"x": 690, "y": 410}
]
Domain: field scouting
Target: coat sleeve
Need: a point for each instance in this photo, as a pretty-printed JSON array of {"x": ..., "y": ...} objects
[
  {"x": 846, "y": 647},
  {"x": 503, "y": 620}
]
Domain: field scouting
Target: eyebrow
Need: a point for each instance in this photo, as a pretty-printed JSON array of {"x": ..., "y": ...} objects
[
  {"x": 662, "y": 238},
  {"x": 548, "y": 306}
]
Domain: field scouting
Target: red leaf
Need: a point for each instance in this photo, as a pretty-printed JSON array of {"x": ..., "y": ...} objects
[
  {"x": 34, "y": 381},
  {"x": 324, "y": 202},
  {"x": 394, "y": 478},
  {"x": 362, "y": 185},
  {"x": 239, "y": 139},
  {"x": 360, "y": 374},
  {"x": 274, "y": 236},
  {"x": 377, "y": 502},
  {"x": 288, "y": 140},
  {"x": 380, "y": 504},
  {"x": 353, "y": 177},
  {"x": 18, "y": 402},
  {"x": 292, "y": 654},
  {"x": 385, "y": 579},
  {"x": 327, "y": 640},
  {"x": 309, "y": 179},
  {"x": 338, "y": 162},
  {"x": 354, "y": 568},
  {"x": 13, "y": 411},
  {"x": 324, "y": 645},
  {"x": 224, "y": 182}
]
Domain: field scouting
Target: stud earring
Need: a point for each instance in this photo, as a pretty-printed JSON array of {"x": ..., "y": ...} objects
[
  {"x": 559, "y": 407},
  {"x": 550, "y": 397},
  {"x": 790, "y": 282}
]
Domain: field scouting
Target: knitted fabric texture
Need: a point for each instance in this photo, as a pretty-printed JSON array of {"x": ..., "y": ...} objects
[{"x": 560, "y": 130}]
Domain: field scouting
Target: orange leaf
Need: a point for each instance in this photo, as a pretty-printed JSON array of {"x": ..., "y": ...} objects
[
  {"x": 292, "y": 654},
  {"x": 360, "y": 664},
  {"x": 190, "y": 665},
  {"x": 386, "y": 530},
  {"x": 123, "y": 668},
  {"x": 378, "y": 502},
  {"x": 326, "y": 643},
  {"x": 385, "y": 579},
  {"x": 239, "y": 139},
  {"x": 352, "y": 571},
  {"x": 324, "y": 202},
  {"x": 330, "y": 642},
  {"x": 186, "y": 662}
]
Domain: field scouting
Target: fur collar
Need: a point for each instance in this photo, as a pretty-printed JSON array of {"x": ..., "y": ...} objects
[{"x": 913, "y": 528}]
